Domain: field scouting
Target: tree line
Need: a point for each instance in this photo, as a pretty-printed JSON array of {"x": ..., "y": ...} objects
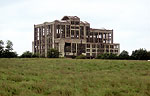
[
  {"x": 7, "y": 52},
  {"x": 140, "y": 54}
]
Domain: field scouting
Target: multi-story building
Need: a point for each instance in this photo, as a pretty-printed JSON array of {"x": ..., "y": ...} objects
[{"x": 73, "y": 37}]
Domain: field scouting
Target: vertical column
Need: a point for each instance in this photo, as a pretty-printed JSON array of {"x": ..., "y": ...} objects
[
  {"x": 118, "y": 49},
  {"x": 84, "y": 30},
  {"x": 45, "y": 32},
  {"x": 33, "y": 43},
  {"x": 76, "y": 48},
  {"x": 109, "y": 48},
  {"x": 96, "y": 44},
  {"x": 79, "y": 31},
  {"x": 65, "y": 31},
  {"x": 71, "y": 47},
  {"x": 53, "y": 34},
  {"x": 112, "y": 37},
  {"x": 40, "y": 41}
]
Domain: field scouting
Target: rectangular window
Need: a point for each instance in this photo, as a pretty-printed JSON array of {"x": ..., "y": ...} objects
[
  {"x": 93, "y": 45},
  {"x": 72, "y": 33},
  {"x": 68, "y": 30},
  {"x": 88, "y": 50},
  {"x": 88, "y": 46}
]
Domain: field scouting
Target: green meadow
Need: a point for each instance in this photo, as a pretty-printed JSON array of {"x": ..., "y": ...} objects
[{"x": 74, "y": 77}]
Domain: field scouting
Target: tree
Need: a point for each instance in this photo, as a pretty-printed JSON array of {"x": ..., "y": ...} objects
[
  {"x": 9, "y": 46},
  {"x": 148, "y": 55},
  {"x": 1, "y": 48},
  {"x": 53, "y": 53},
  {"x": 7, "y": 53},
  {"x": 140, "y": 54},
  {"x": 26, "y": 54},
  {"x": 124, "y": 55},
  {"x": 10, "y": 54}
]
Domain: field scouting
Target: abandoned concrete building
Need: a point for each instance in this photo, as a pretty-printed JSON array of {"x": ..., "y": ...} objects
[{"x": 72, "y": 37}]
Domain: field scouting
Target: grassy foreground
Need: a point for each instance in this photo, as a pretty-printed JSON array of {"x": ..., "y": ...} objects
[{"x": 70, "y": 77}]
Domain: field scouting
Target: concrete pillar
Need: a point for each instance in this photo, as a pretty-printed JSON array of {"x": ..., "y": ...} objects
[
  {"x": 45, "y": 32},
  {"x": 112, "y": 37},
  {"x": 53, "y": 34}
]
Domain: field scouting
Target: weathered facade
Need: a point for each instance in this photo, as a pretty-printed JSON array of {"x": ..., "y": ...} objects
[{"x": 73, "y": 37}]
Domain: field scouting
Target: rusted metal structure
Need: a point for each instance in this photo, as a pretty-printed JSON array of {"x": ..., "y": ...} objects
[{"x": 72, "y": 37}]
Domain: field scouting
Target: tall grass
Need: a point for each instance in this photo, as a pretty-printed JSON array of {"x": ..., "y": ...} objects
[{"x": 72, "y": 77}]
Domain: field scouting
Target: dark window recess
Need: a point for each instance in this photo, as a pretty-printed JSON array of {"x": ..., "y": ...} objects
[
  {"x": 88, "y": 46},
  {"x": 63, "y": 31},
  {"x": 74, "y": 47},
  {"x": 76, "y": 27},
  {"x": 80, "y": 48},
  {"x": 93, "y": 45},
  {"x": 87, "y": 54},
  {"x": 68, "y": 30},
  {"x": 88, "y": 50},
  {"x": 77, "y": 34},
  {"x": 94, "y": 54},
  {"x": 81, "y": 32},
  {"x": 72, "y": 33},
  {"x": 87, "y": 30},
  {"x": 67, "y": 47},
  {"x": 77, "y": 23},
  {"x": 93, "y": 50},
  {"x": 72, "y": 27},
  {"x": 72, "y": 22}
]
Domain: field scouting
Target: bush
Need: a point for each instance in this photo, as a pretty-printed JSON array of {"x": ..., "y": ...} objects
[
  {"x": 35, "y": 55},
  {"x": 81, "y": 57},
  {"x": 53, "y": 53},
  {"x": 26, "y": 54},
  {"x": 7, "y": 54},
  {"x": 107, "y": 56},
  {"x": 29, "y": 54}
]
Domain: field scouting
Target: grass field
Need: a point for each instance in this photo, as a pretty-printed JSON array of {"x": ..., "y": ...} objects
[{"x": 71, "y": 77}]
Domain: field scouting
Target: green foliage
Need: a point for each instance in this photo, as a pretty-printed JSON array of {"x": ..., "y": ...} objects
[
  {"x": 9, "y": 46},
  {"x": 81, "y": 57},
  {"x": 53, "y": 53},
  {"x": 1, "y": 48},
  {"x": 107, "y": 56},
  {"x": 148, "y": 55},
  {"x": 73, "y": 77},
  {"x": 35, "y": 55},
  {"x": 140, "y": 54},
  {"x": 124, "y": 55},
  {"x": 28, "y": 54},
  {"x": 7, "y": 53}
]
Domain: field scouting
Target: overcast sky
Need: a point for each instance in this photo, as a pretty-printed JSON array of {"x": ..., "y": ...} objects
[{"x": 130, "y": 19}]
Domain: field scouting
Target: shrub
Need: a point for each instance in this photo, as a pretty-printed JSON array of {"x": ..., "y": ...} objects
[
  {"x": 81, "y": 57},
  {"x": 26, "y": 54},
  {"x": 107, "y": 56},
  {"x": 53, "y": 53}
]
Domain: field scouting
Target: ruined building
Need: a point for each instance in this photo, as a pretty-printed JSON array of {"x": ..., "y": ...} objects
[{"x": 73, "y": 37}]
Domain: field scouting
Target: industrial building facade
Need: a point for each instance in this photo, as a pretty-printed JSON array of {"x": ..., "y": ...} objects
[{"x": 72, "y": 37}]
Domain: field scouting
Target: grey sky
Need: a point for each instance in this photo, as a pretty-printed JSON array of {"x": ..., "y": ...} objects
[{"x": 130, "y": 19}]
